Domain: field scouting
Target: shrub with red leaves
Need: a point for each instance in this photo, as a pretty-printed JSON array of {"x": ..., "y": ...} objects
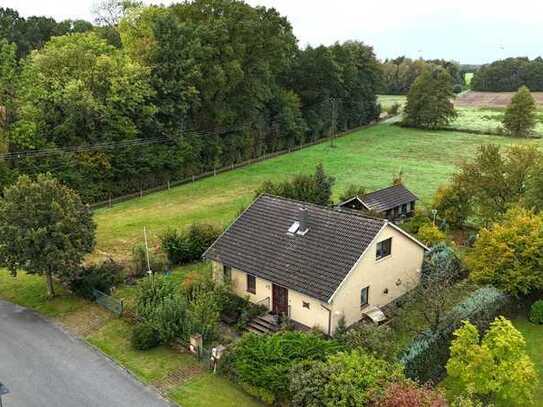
[{"x": 410, "y": 394}]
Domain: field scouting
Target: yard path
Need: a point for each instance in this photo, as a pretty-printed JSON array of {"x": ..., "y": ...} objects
[{"x": 44, "y": 366}]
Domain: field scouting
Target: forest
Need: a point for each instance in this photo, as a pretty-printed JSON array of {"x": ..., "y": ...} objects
[
  {"x": 162, "y": 93},
  {"x": 508, "y": 75}
]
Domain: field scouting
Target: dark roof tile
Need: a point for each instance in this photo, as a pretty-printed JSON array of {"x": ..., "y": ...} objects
[{"x": 314, "y": 264}]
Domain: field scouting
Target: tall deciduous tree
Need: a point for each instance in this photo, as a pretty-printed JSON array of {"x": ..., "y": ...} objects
[
  {"x": 509, "y": 255},
  {"x": 520, "y": 118},
  {"x": 496, "y": 368},
  {"x": 44, "y": 229},
  {"x": 429, "y": 102},
  {"x": 490, "y": 184}
]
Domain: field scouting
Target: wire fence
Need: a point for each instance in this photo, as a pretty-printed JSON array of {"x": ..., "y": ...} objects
[{"x": 214, "y": 172}]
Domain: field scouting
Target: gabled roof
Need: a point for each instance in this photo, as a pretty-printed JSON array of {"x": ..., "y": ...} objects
[
  {"x": 384, "y": 199},
  {"x": 315, "y": 263}
]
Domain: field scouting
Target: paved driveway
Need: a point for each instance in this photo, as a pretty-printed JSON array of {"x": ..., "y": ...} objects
[{"x": 45, "y": 367}]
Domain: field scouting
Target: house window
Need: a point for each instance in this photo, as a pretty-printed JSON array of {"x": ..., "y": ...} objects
[
  {"x": 227, "y": 273},
  {"x": 305, "y": 304},
  {"x": 384, "y": 248},
  {"x": 251, "y": 284},
  {"x": 364, "y": 294},
  {"x": 413, "y": 206},
  {"x": 404, "y": 209}
]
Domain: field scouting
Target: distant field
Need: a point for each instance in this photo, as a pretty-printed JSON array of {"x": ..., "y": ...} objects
[
  {"x": 468, "y": 77},
  {"x": 387, "y": 101},
  {"x": 490, "y": 99},
  {"x": 486, "y": 120},
  {"x": 369, "y": 157}
]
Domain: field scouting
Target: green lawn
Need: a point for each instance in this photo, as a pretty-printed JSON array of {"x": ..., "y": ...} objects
[
  {"x": 369, "y": 157},
  {"x": 534, "y": 340},
  {"x": 31, "y": 292},
  {"x": 211, "y": 390},
  {"x": 114, "y": 340}
]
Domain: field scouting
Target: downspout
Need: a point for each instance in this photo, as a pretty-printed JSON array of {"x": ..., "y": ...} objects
[{"x": 329, "y": 319}]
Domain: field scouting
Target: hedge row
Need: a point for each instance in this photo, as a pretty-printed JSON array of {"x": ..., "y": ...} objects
[{"x": 426, "y": 357}]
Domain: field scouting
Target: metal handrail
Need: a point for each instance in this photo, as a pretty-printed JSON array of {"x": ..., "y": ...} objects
[{"x": 265, "y": 302}]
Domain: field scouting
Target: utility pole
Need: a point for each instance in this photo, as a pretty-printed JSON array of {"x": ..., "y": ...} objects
[
  {"x": 333, "y": 118},
  {"x": 147, "y": 251}
]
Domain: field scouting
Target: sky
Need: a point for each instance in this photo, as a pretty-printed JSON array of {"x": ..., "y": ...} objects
[{"x": 467, "y": 31}]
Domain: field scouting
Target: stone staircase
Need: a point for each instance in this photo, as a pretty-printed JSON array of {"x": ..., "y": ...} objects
[{"x": 265, "y": 324}]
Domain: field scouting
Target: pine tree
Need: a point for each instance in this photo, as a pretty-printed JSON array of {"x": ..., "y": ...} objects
[
  {"x": 520, "y": 119},
  {"x": 429, "y": 102}
]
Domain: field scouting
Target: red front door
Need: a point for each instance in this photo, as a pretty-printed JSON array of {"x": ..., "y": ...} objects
[{"x": 279, "y": 300}]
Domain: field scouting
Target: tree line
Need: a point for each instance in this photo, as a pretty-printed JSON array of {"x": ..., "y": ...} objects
[
  {"x": 174, "y": 92},
  {"x": 400, "y": 73},
  {"x": 508, "y": 75}
]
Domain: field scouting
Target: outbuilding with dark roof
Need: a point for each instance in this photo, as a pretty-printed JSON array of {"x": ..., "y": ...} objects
[{"x": 393, "y": 203}]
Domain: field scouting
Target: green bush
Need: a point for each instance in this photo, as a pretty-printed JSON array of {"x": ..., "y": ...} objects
[
  {"x": 263, "y": 362},
  {"x": 102, "y": 277},
  {"x": 536, "y": 312},
  {"x": 145, "y": 336},
  {"x": 427, "y": 355},
  {"x": 138, "y": 263},
  {"x": 441, "y": 262},
  {"x": 378, "y": 340},
  {"x": 190, "y": 245},
  {"x": 345, "y": 379}
]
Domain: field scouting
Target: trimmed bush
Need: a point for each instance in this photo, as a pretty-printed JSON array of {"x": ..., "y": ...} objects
[
  {"x": 145, "y": 336},
  {"x": 536, "y": 312},
  {"x": 190, "y": 245},
  {"x": 344, "y": 379},
  {"x": 102, "y": 277},
  {"x": 427, "y": 355},
  {"x": 263, "y": 362}
]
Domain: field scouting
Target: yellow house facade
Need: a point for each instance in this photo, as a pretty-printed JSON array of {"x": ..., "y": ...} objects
[{"x": 349, "y": 264}]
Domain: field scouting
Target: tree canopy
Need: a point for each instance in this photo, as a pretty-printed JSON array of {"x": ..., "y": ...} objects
[
  {"x": 508, "y": 75},
  {"x": 172, "y": 92},
  {"x": 44, "y": 229},
  {"x": 429, "y": 101},
  {"x": 509, "y": 254},
  {"x": 497, "y": 369},
  {"x": 520, "y": 115}
]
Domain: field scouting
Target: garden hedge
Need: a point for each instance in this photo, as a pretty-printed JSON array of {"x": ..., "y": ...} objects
[{"x": 427, "y": 355}]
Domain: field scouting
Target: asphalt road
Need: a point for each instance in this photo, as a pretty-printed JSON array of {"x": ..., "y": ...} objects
[{"x": 44, "y": 367}]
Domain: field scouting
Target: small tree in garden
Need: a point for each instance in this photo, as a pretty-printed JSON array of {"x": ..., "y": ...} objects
[
  {"x": 520, "y": 115},
  {"x": 45, "y": 229},
  {"x": 430, "y": 235},
  {"x": 352, "y": 191},
  {"x": 429, "y": 101},
  {"x": 509, "y": 255},
  {"x": 316, "y": 188},
  {"x": 452, "y": 204},
  {"x": 536, "y": 312},
  {"x": 497, "y": 368}
]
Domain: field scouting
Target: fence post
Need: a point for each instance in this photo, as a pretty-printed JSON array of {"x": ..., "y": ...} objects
[
  {"x": 192, "y": 177},
  {"x": 214, "y": 171},
  {"x": 141, "y": 191},
  {"x": 110, "y": 199},
  {"x": 168, "y": 185}
]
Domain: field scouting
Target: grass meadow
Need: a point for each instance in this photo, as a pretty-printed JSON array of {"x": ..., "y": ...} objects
[{"x": 369, "y": 157}]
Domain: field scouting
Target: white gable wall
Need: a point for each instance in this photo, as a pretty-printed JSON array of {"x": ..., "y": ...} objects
[{"x": 402, "y": 266}]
